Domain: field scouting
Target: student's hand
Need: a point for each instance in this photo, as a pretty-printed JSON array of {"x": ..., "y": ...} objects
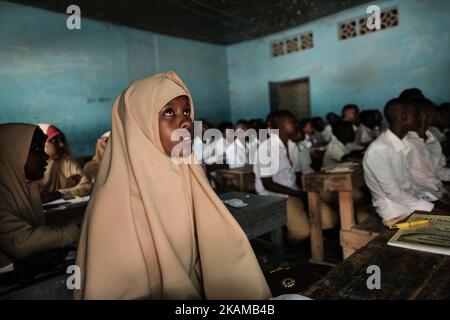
[
  {"x": 50, "y": 196},
  {"x": 72, "y": 181}
]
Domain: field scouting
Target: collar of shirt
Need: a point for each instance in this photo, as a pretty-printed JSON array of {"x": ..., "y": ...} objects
[
  {"x": 413, "y": 135},
  {"x": 398, "y": 144}
]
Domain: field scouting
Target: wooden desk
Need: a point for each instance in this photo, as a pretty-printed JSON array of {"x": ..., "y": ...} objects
[
  {"x": 240, "y": 179},
  {"x": 344, "y": 183},
  {"x": 405, "y": 274},
  {"x": 263, "y": 214}
]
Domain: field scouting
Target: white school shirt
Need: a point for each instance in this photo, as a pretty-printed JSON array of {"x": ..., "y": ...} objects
[
  {"x": 387, "y": 175},
  {"x": 307, "y": 142},
  {"x": 300, "y": 157},
  {"x": 272, "y": 161},
  {"x": 421, "y": 165},
  {"x": 336, "y": 150},
  {"x": 441, "y": 137},
  {"x": 364, "y": 135},
  {"x": 334, "y": 153},
  {"x": 214, "y": 152},
  {"x": 328, "y": 133},
  {"x": 438, "y": 159},
  {"x": 238, "y": 154}
]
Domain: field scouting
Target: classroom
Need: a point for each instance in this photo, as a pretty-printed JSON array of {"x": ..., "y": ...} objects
[{"x": 225, "y": 150}]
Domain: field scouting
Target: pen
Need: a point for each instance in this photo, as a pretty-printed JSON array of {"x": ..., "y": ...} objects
[{"x": 407, "y": 225}]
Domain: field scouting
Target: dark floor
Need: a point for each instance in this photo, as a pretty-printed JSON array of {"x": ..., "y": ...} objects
[{"x": 295, "y": 273}]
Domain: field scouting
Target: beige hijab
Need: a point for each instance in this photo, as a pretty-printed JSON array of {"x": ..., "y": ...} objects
[
  {"x": 91, "y": 167},
  {"x": 16, "y": 193},
  {"x": 155, "y": 229}
]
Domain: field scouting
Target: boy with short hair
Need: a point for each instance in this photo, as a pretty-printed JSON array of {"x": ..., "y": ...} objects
[
  {"x": 386, "y": 170},
  {"x": 275, "y": 174},
  {"x": 341, "y": 148}
]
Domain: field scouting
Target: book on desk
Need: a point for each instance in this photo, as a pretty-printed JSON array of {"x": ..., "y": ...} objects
[{"x": 432, "y": 237}]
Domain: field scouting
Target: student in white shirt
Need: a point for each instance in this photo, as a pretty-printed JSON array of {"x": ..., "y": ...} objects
[
  {"x": 319, "y": 127},
  {"x": 328, "y": 131},
  {"x": 308, "y": 130},
  {"x": 366, "y": 131},
  {"x": 340, "y": 148},
  {"x": 244, "y": 144},
  {"x": 276, "y": 174},
  {"x": 386, "y": 170},
  {"x": 350, "y": 113},
  {"x": 422, "y": 165}
]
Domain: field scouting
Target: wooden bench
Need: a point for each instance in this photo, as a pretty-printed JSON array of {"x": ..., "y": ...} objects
[{"x": 361, "y": 234}]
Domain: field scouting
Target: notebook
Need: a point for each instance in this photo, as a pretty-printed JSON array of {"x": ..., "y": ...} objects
[{"x": 433, "y": 237}]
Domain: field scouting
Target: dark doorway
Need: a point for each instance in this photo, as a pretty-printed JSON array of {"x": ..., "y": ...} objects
[{"x": 291, "y": 95}]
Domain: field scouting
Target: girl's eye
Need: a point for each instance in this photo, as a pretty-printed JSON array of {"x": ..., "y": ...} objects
[
  {"x": 187, "y": 112},
  {"x": 168, "y": 113}
]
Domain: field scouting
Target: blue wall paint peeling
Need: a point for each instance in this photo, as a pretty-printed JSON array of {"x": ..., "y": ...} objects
[{"x": 71, "y": 78}]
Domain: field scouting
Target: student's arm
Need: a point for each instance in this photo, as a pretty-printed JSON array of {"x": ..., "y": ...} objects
[
  {"x": 272, "y": 186},
  {"x": 421, "y": 168},
  {"x": 83, "y": 187},
  {"x": 378, "y": 163},
  {"x": 19, "y": 240}
]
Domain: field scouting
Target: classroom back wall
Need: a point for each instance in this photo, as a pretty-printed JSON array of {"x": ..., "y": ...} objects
[
  {"x": 71, "y": 78},
  {"x": 367, "y": 70}
]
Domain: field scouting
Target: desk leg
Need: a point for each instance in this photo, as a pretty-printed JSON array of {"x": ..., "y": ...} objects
[
  {"x": 347, "y": 215},
  {"x": 276, "y": 236},
  {"x": 315, "y": 223}
]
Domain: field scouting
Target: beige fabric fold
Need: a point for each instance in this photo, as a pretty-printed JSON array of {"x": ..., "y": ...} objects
[
  {"x": 23, "y": 230},
  {"x": 155, "y": 229}
]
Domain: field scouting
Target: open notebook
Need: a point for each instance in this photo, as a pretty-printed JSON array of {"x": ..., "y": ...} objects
[{"x": 433, "y": 237}]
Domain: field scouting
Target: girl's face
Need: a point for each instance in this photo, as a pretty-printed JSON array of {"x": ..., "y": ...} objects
[
  {"x": 37, "y": 158},
  {"x": 55, "y": 147},
  {"x": 174, "y": 115}
]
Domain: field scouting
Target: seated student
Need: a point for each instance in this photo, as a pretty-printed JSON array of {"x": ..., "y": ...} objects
[
  {"x": 238, "y": 152},
  {"x": 434, "y": 147},
  {"x": 380, "y": 123},
  {"x": 328, "y": 132},
  {"x": 423, "y": 171},
  {"x": 23, "y": 230},
  {"x": 366, "y": 131},
  {"x": 342, "y": 147},
  {"x": 350, "y": 113},
  {"x": 155, "y": 229},
  {"x": 64, "y": 176},
  {"x": 90, "y": 169},
  {"x": 299, "y": 154},
  {"x": 308, "y": 130},
  {"x": 275, "y": 174},
  {"x": 386, "y": 172},
  {"x": 319, "y": 128}
]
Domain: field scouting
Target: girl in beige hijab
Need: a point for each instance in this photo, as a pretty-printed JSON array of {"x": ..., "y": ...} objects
[
  {"x": 23, "y": 229},
  {"x": 90, "y": 169},
  {"x": 64, "y": 176},
  {"x": 155, "y": 229}
]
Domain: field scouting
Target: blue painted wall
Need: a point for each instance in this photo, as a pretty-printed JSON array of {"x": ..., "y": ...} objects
[
  {"x": 71, "y": 78},
  {"x": 367, "y": 70}
]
